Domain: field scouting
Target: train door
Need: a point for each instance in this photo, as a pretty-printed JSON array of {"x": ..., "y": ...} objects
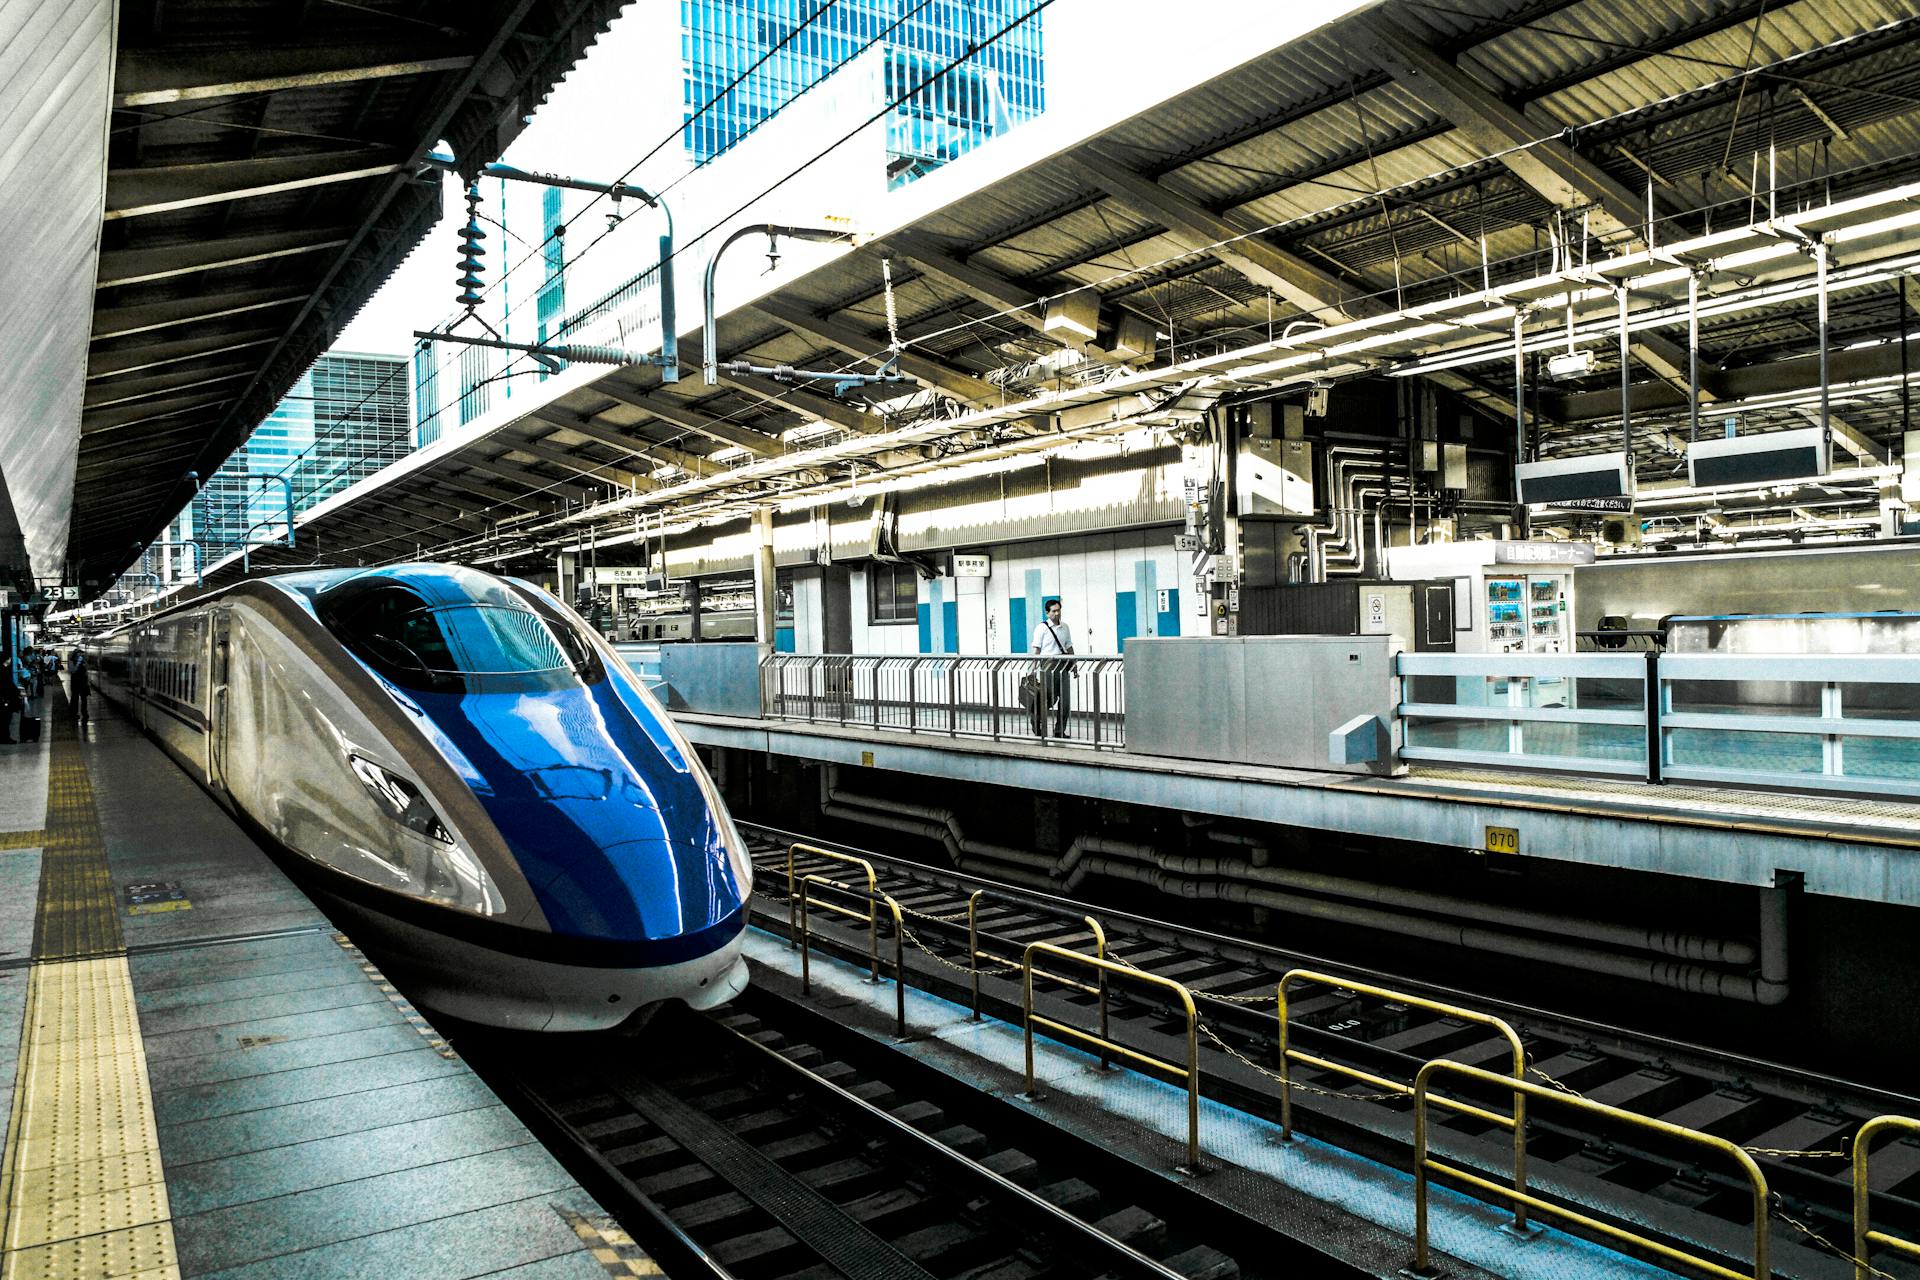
[
  {"x": 1434, "y": 617},
  {"x": 219, "y": 650},
  {"x": 137, "y": 650}
]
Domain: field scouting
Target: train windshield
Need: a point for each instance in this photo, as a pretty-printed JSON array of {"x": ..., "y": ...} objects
[{"x": 470, "y": 646}]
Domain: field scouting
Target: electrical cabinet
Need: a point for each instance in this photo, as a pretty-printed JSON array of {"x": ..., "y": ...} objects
[{"x": 1274, "y": 477}]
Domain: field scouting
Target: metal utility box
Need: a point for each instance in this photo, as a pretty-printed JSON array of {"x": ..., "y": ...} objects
[
  {"x": 1265, "y": 700},
  {"x": 1421, "y": 613},
  {"x": 1274, "y": 477},
  {"x": 717, "y": 679}
]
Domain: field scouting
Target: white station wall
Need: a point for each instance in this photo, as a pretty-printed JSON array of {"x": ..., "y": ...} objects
[{"x": 1110, "y": 586}]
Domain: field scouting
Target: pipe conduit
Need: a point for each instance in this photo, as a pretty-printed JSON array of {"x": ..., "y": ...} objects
[
  {"x": 1684, "y": 946},
  {"x": 1360, "y": 903}
]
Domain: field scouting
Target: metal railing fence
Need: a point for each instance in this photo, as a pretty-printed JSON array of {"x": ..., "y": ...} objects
[
  {"x": 1017, "y": 698},
  {"x": 1804, "y": 722}
]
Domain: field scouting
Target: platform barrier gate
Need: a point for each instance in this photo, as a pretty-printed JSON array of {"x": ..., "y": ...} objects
[
  {"x": 873, "y": 887},
  {"x": 1864, "y": 1236},
  {"x": 975, "y": 955},
  {"x": 1424, "y": 1166},
  {"x": 1189, "y": 1074},
  {"x": 874, "y": 898},
  {"x": 1517, "y": 1122}
]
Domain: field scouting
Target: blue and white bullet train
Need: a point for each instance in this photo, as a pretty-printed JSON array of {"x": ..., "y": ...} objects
[{"x": 469, "y": 779}]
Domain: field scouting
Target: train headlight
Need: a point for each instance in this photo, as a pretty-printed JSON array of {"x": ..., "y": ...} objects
[{"x": 401, "y": 799}]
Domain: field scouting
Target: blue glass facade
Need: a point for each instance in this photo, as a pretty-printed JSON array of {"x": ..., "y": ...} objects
[
  {"x": 348, "y": 417},
  {"x": 941, "y": 113}
]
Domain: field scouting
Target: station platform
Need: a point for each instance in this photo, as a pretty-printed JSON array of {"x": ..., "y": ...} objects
[
  {"x": 1861, "y": 849},
  {"x": 199, "y": 1076}
]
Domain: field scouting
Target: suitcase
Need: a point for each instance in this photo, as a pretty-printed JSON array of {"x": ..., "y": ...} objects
[{"x": 29, "y": 728}]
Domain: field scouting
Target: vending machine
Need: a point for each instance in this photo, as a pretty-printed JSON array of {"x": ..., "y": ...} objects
[{"x": 1509, "y": 596}]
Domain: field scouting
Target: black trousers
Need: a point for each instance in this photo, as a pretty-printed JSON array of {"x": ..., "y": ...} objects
[{"x": 1056, "y": 691}]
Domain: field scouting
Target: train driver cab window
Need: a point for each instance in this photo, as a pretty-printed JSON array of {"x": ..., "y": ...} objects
[
  {"x": 893, "y": 593},
  {"x": 463, "y": 647}
]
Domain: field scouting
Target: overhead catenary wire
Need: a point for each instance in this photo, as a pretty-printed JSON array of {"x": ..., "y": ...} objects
[{"x": 1118, "y": 275}]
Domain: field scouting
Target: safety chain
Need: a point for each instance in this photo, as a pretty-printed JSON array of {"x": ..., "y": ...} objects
[
  {"x": 1825, "y": 1243},
  {"x": 913, "y": 940},
  {"x": 1567, "y": 1089}
]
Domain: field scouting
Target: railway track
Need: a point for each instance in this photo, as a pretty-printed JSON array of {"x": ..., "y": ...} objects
[
  {"x": 762, "y": 1141},
  {"x": 1797, "y": 1125}
]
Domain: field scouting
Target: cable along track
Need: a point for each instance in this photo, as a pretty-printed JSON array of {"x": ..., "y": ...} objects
[{"x": 1798, "y": 1125}]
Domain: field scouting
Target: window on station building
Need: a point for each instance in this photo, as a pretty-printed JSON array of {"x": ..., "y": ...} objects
[{"x": 893, "y": 593}]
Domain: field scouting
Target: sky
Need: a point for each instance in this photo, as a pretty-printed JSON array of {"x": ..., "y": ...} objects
[{"x": 1105, "y": 61}]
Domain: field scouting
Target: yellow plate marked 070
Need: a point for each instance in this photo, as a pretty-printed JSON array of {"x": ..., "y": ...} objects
[
  {"x": 1503, "y": 840},
  {"x": 85, "y": 1191}
]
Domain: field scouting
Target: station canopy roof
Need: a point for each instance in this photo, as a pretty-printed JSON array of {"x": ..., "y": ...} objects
[
  {"x": 261, "y": 184},
  {"x": 1379, "y": 194}
]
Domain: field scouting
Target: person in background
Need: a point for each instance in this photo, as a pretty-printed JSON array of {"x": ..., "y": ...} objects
[
  {"x": 80, "y": 686},
  {"x": 10, "y": 703},
  {"x": 1053, "y": 638}
]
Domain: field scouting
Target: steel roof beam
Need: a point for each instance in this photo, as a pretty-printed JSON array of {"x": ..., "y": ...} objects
[
  {"x": 157, "y": 355},
  {"x": 757, "y": 443},
  {"x": 964, "y": 387},
  {"x": 1229, "y": 239},
  {"x": 1773, "y": 377},
  {"x": 486, "y": 493},
  {"x": 1019, "y": 302},
  {"x": 134, "y": 193},
  {"x": 141, "y": 266},
  {"x": 503, "y": 468},
  {"x": 798, "y": 399},
  {"x": 599, "y": 472},
  {"x": 1667, "y": 361},
  {"x": 1846, "y": 435},
  {"x": 107, "y": 394},
  {"x": 154, "y": 77},
  {"x": 94, "y": 422},
  {"x": 124, "y": 322},
  {"x": 615, "y": 438},
  {"x": 1530, "y": 151}
]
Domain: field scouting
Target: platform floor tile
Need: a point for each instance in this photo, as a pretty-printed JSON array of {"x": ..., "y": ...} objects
[
  {"x": 23, "y": 791},
  {"x": 528, "y": 1239},
  {"x": 285, "y": 1124},
  {"x": 352, "y": 1211},
  {"x": 284, "y": 1087}
]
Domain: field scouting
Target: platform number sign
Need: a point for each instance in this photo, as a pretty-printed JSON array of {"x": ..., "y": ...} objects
[{"x": 1503, "y": 840}]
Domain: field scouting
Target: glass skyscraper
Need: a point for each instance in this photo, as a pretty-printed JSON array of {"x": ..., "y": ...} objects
[
  {"x": 348, "y": 417},
  {"x": 941, "y": 110}
]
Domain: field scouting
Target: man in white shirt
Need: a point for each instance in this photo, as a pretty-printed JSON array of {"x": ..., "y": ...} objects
[{"x": 1053, "y": 638}]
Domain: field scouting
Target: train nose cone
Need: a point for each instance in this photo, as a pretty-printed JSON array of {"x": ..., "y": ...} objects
[{"x": 616, "y": 842}]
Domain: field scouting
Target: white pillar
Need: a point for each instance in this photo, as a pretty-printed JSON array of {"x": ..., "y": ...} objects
[{"x": 764, "y": 596}]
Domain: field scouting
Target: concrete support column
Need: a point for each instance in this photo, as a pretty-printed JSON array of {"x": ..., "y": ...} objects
[{"x": 764, "y": 596}]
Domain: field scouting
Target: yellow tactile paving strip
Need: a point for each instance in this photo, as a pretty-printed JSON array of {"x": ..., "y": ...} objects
[
  {"x": 76, "y": 918},
  {"x": 82, "y": 1190},
  {"x": 21, "y": 840}
]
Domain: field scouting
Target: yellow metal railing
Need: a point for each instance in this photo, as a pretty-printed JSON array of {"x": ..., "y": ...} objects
[
  {"x": 1189, "y": 1074},
  {"x": 873, "y": 898},
  {"x": 1517, "y": 1122},
  {"x": 1864, "y": 1237},
  {"x": 1424, "y": 1165},
  {"x": 873, "y": 887},
  {"x": 975, "y": 955}
]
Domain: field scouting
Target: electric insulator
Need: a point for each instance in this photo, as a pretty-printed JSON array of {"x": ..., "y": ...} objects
[
  {"x": 471, "y": 253},
  {"x": 593, "y": 355}
]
